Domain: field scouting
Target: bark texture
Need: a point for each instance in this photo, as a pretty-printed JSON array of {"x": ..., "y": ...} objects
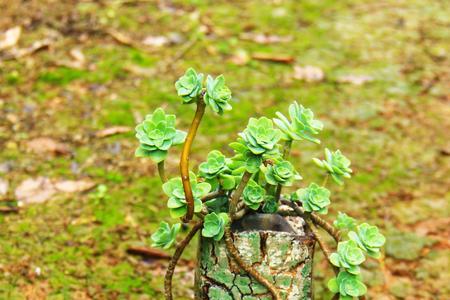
[{"x": 283, "y": 258}]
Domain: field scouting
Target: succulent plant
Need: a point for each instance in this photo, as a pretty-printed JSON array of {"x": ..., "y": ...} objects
[
  {"x": 165, "y": 236},
  {"x": 214, "y": 225},
  {"x": 217, "y": 94},
  {"x": 344, "y": 222},
  {"x": 369, "y": 239},
  {"x": 281, "y": 172},
  {"x": 189, "y": 86},
  {"x": 253, "y": 195},
  {"x": 156, "y": 134},
  {"x": 347, "y": 285},
  {"x": 336, "y": 164},
  {"x": 244, "y": 159},
  {"x": 348, "y": 256},
  {"x": 301, "y": 126},
  {"x": 314, "y": 198},
  {"x": 270, "y": 205},
  {"x": 260, "y": 136},
  {"x": 177, "y": 201},
  {"x": 213, "y": 170}
]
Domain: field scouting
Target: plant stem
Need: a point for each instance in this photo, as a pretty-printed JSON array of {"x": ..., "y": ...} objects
[
  {"x": 184, "y": 160},
  {"x": 286, "y": 152},
  {"x": 323, "y": 246},
  {"x": 249, "y": 269},
  {"x": 237, "y": 193},
  {"x": 162, "y": 171},
  {"x": 213, "y": 195},
  {"x": 176, "y": 256}
]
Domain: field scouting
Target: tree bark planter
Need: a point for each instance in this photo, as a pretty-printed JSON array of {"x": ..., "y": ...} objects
[{"x": 281, "y": 254}]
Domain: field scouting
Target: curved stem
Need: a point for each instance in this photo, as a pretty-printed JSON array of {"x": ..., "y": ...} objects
[
  {"x": 176, "y": 256},
  {"x": 286, "y": 151},
  {"x": 213, "y": 195},
  {"x": 184, "y": 160},
  {"x": 323, "y": 246},
  {"x": 162, "y": 171},
  {"x": 249, "y": 269},
  {"x": 238, "y": 192}
]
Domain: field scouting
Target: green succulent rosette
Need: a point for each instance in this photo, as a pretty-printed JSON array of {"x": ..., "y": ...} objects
[
  {"x": 214, "y": 171},
  {"x": 302, "y": 125},
  {"x": 156, "y": 134},
  {"x": 165, "y": 236},
  {"x": 347, "y": 285},
  {"x": 314, "y": 198},
  {"x": 336, "y": 164},
  {"x": 270, "y": 205},
  {"x": 253, "y": 195},
  {"x": 344, "y": 222},
  {"x": 348, "y": 256},
  {"x": 368, "y": 239},
  {"x": 177, "y": 202},
  {"x": 281, "y": 172},
  {"x": 244, "y": 159},
  {"x": 189, "y": 86},
  {"x": 217, "y": 94},
  {"x": 260, "y": 136},
  {"x": 214, "y": 225}
]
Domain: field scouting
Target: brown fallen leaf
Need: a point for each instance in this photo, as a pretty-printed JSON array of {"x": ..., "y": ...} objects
[
  {"x": 78, "y": 60},
  {"x": 112, "y": 131},
  {"x": 277, "y": 58},
  {"x": 47, "y": 145},
  {"x": 41, "y": 189},
  {"x": 10, "y": 37},
  {"x": 156, "y": 41},
  {"x": 74, "y": 186},
  {"x": 4, "y": 186},
  {"x": 35, "y": 190},
  {"x": 36, "y": 46},
  {"x": 265, "y": 39},
  {"x": 120, "y": 37},
  {"x": 355, "y": 79},
  {"x": 240, "y": 58},
  {"x": 148, "y": 252},
  {"x": 308, "y": 73}
]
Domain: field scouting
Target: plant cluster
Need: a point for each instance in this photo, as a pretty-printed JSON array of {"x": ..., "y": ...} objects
[{"x": 251, "y": 180}]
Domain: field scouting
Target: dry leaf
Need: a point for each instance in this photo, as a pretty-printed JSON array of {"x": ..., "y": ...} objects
[
  {"x": 10, "y": 37},
  {"x": 277, "y": 58},
  {"x": 47, "y": 145},
  {"x": 240, "y": 58},
  {"x": 156, "y": 41},
  {"x": 3, "y": 187},
  {"x": 355, "y": 79},
  {"x": 35, "y": 190},
  {"x": 112, "y": 131},
  {"x": 308, "y": 73},
  {"x": 36, "y": 46},
  {"x": 41, "y": 189},
  {"x": 78, "y": 61},
  {"x": 120, "y": 37},
  {"x": 74, "y": 186},
  {"x": 265, "y": 39}
]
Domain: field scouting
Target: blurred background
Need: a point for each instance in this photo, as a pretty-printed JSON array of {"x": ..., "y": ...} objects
[{"x": 76, "y": 76}]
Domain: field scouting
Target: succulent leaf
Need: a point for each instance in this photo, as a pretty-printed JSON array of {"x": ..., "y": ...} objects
[
  {"x": 348, "y": 256},
  {"x": 253, "y": 195},
  {"x": 313, "y": 198},
  {"x": 156, "y": 134},
  {"x": 368, "y": 239},
  {"x": 214, "y": 225},
  {"x": 189, "y": 86},
  {"x": 217, "y": 94},
  {"x": 347, "y": 285},
  {"x": 302, "y": 125},
  {"x": 260, "y": 136},
  {"x": 165, "y": 236},
  {"x": 177, "y": 202},
  {"x": 344, "y": 222},
  {"x": 336, "y": 164}
]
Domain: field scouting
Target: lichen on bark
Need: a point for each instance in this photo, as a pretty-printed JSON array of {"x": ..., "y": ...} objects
[{"x": 284, "y": 258}]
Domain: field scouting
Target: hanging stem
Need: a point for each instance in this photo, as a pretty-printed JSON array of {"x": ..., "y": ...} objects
[
  {"x": 323, "y": 246},
  {"x": 238, "y": 192},
  {"x": 286, "y": 152},
  {"x": 176, "y": 256},
  {"x": 249, "y": 269},
  {"x": 184, "y": 160},
  {"x": 162, "y": 171}
]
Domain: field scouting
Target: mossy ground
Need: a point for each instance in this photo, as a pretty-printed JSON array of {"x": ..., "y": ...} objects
[{"x": 393, "y": 128}]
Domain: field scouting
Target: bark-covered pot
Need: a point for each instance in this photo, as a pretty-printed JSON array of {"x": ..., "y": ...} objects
[{"x": 281, "y": 251}]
